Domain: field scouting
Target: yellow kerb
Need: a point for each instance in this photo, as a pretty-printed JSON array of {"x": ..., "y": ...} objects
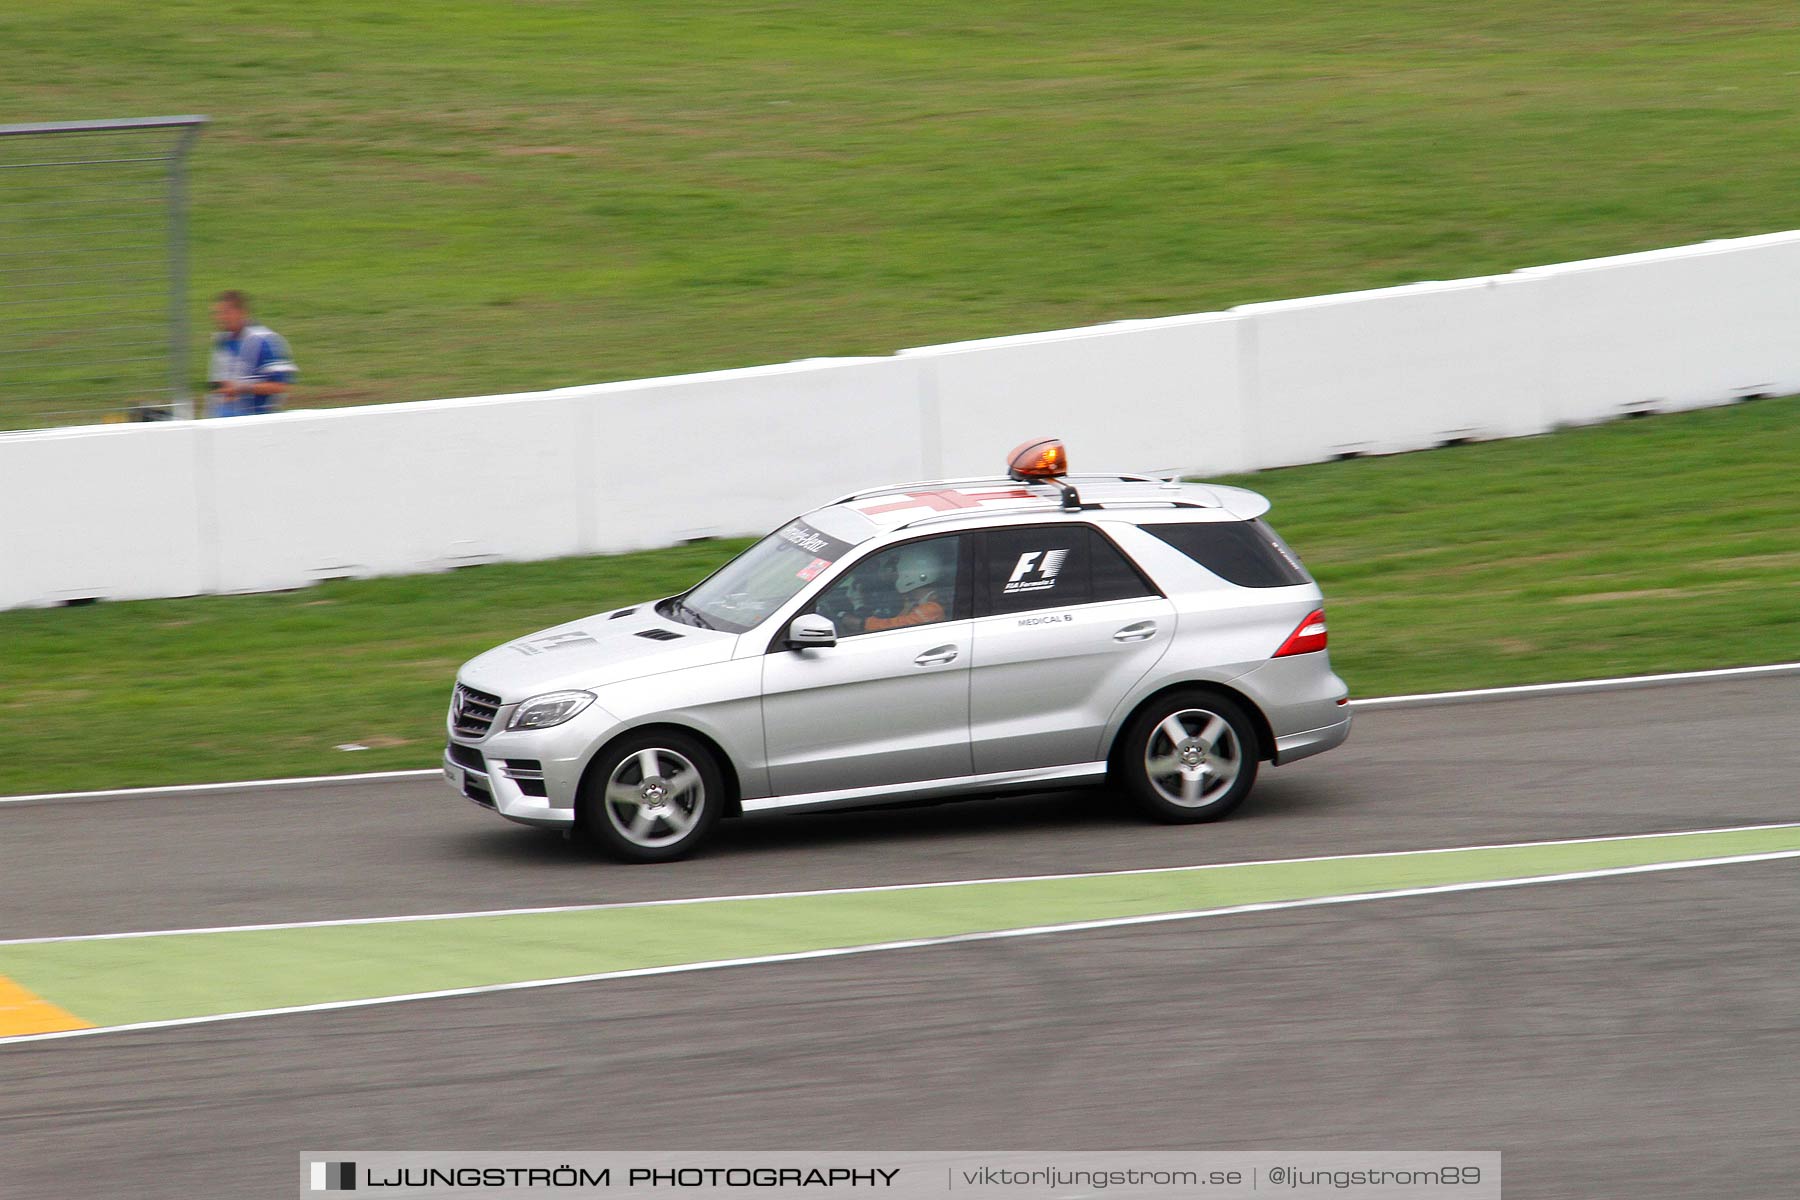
[{"x": 23, "y": 1012}]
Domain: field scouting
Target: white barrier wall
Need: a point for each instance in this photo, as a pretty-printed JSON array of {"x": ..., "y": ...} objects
[
  {"x": 1404, "y": 368},
  {"x": 1145, "y": 396},
  {"x": 305, "y": 496},
  {"x": 1672, "y": 329},
  {"x": 257, "y": 503},
  {"x": 109, "y": 511},
  {"x": 736, "y": 452}
]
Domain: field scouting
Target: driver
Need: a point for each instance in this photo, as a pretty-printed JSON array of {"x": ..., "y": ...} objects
[{"x": 916, "y": 577}]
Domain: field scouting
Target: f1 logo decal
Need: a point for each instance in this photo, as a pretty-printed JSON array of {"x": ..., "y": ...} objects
[{"x": 1046, "y": 565}]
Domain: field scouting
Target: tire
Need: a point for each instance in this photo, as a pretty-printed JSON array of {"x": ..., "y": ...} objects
[
  {"x": 652, "y": 797},
  {"x": 1198, "y": 777}
]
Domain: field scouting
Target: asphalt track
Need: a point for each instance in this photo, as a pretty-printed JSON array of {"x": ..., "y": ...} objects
[{"x": 1630, "y": 1037}]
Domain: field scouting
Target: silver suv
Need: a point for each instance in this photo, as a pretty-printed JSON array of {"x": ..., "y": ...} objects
[{"x": 931, "y": 640}]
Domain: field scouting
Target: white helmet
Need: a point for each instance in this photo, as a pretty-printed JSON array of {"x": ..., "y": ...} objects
[{"x": 917, "y": 567}]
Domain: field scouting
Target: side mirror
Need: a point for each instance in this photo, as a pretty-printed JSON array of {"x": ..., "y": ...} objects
[{"x": 810, "y": 629}]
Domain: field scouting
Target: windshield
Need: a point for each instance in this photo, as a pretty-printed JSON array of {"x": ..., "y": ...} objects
[{"x": 742, "y": 593}]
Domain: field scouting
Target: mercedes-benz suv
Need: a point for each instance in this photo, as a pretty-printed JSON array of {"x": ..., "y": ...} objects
[{"x": 930, "y": 640}]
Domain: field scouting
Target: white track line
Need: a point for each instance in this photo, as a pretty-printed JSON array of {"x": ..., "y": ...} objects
[
  {"x": 178, "y": 789},
  {"x": 1416, "y": 700},
  {"x": 1576, "y": 687},
  {"x": 915, "y": 943},
  {"x": 868, "y": 889}
]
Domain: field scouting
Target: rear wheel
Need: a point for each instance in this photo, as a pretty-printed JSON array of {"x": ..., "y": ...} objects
[
  {"x": 1190, "y": 757},
  {"x": 653, "y": 798}
]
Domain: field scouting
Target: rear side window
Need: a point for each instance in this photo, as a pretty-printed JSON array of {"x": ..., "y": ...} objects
[
  {"x": 1115, "y": 576},
  {"x": 1247, "y": 553},
  {"x": 1053, "y": 566}
]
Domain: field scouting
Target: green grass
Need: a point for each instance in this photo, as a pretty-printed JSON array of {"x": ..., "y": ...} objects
[
  {"x": 186, "y": 975},
  {"x": 472, "y": 197},
  {"x": 1664, "y": 543}
]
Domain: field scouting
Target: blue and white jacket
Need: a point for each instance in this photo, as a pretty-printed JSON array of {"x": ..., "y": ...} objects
[{"x": 257, "y": 355}]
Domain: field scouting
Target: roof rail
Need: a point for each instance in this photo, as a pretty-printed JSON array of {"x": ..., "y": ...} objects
[
  {"x": 921, "y": 484},
  {"x": 995, "y": 481},
  {"x": 1050, "y": 505}
]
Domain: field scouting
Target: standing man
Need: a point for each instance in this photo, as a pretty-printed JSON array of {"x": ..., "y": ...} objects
[{"x": 251, "y": 368}]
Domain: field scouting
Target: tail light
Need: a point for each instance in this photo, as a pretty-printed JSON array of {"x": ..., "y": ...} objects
[{"x": 1308, "y": 636}]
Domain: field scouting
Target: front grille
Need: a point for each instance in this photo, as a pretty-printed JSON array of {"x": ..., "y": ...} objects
[
  {"x": 467, "y": 756},
  {"x": 479, "y": 794},
  {"x": 471, "y": 712}
]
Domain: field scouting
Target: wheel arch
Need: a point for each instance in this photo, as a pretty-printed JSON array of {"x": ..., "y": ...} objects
[
  {"x": 1265, "y": 733},
  {"x": 733, "y": 788}
]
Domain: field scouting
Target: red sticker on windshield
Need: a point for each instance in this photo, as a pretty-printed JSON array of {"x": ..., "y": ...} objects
[{"x": 812, "y": 569}]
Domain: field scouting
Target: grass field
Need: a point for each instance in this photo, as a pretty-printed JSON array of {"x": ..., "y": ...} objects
[
  {"x": 1663, "y": 543},
  {"x": 473, "y": 197}
]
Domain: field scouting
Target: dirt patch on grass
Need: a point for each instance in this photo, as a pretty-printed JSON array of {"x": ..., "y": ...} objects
[
  {"x": 1515, "y": 646},
  {"x": 1791, "y": 559}
]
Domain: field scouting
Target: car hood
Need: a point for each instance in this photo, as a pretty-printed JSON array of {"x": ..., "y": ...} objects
[{"x": 608, "y": 647}]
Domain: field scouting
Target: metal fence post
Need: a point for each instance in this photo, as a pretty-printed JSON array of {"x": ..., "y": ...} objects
[
  {"x": 181, "y": 398},
  {"x": 67, "y": 351}
]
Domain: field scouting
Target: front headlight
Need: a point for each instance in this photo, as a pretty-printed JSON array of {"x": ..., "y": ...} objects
[{"x": 553, "y": 708}]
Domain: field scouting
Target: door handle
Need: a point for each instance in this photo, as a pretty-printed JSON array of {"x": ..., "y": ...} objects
[
  {"x": 1137, "y": 631},
  {"x": 937, "y": 656}
]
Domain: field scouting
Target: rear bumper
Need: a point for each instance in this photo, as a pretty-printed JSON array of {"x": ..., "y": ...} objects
[
  {"x": 1304, "y": 701},
  {"x": 1296, "y": 746}
]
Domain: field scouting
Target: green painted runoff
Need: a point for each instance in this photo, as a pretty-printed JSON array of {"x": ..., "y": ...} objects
[{"x": 161, "y": 978}]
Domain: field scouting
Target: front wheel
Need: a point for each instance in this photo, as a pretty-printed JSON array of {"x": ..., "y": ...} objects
[
  {"x": 1190, "y": 757},
  {"x": 653, "y": 798}
]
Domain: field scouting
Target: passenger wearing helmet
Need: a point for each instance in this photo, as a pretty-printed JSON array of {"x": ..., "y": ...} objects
[{"x": 916, "y": 579}]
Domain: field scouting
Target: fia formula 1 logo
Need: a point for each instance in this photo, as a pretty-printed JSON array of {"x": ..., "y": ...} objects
[{"x": 1035, "y": 571}]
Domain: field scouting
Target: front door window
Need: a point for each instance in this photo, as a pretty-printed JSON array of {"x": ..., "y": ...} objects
[{"x": 897, "y": 588}]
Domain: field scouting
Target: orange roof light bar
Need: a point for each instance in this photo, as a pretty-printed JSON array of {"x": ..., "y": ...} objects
[
  {"x": 1041, "y": 458},
  {"x": 1044, "y": 459}
]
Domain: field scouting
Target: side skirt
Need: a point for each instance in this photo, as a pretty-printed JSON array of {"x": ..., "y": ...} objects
[{"x": 1091, "y": 772}]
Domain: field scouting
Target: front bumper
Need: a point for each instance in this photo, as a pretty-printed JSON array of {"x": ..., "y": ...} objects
[
  {"x": 486, "y": 771},
  {"x": 495, "y": 788}
]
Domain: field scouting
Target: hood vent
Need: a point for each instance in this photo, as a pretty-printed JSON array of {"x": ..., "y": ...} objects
[
  {"x": 623, "y": 612},
  {"x": 658, "y": 635}
]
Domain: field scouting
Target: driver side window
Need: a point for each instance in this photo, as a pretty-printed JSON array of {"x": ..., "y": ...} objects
[{"x": 915, "y": 583}]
